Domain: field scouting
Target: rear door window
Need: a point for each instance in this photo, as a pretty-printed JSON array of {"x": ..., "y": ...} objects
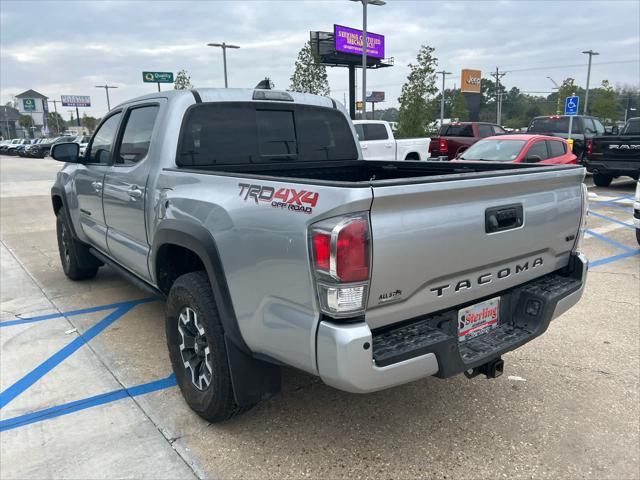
[
  {"x": 556, "y": 148},
  {"x": 538, "y": 149},
  {"x": 137, "y": 135},
  {"x": 375, "y": 131}
]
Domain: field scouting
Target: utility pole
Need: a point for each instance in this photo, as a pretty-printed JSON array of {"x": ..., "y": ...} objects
[
  {"x": 106, "y": 89},
  {"x": 443, "y": 73},
  {"x": 55, "y": 108},
  {"x": 591, "y": 53},
  {"x": 224, "y": 47},
  {"x": 71, "y": 112},
  {"x": 498, "y": 75}
]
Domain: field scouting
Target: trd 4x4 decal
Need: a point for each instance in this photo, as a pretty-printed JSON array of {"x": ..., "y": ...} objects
[{"x": 285, "y": 198}]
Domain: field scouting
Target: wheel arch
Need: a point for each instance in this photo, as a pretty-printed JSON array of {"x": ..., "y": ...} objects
[{"x": 253, "y": 379}]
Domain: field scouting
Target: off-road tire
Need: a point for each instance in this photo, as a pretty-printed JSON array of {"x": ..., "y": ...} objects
[
  {"x": 215, "y": 402},
  {"x": 77, "y": 262},
  {"x": 602, "y": 180}
]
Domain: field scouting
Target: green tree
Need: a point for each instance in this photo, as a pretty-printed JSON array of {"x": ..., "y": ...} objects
[
  {"x": 54, "y": 120},
  {"x": 604, "y": 104},
  {"x": 182, "y": 81},
  {"x": 88, "y": 122},
  {"x": 26, "y": 122},
  {"x": 416, "y": 106},
  {"x": 459, "y": 108},
  {"x": 309, "y": 76}
]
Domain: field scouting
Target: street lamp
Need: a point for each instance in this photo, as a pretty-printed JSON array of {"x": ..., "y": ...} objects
[
  {"x": 364, "y": 49},
  {"x": 591, "y": 53},
  {"x": 224, "y": 47},
  {"x": 557, "y": 87},
  {"x": 443, "y": 73}
]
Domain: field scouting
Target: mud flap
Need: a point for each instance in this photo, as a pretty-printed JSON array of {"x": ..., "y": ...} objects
[{"x": 253, "y": 380}]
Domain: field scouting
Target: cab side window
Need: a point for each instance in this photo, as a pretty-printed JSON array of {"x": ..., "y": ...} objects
[
  {"x": 137, "y": 135},
  {"x": 101, "y": 147},
  {"x": 485, "y": 131}
]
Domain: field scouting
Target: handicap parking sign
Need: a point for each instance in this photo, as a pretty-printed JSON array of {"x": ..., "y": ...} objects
[{"x": 571, "y": 105}]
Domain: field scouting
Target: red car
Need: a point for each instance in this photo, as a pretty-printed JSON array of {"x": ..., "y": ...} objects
[{"x": 520, "y": 149}]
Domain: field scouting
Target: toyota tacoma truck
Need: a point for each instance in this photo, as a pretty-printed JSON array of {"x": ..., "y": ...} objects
[
  {"x": 378, "y": 142},
  {"x": 613, "y": 156},
  {"x": 275, "y": 244}
]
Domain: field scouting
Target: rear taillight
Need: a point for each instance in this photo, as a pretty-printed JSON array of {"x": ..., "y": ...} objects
[
  {"x": 443, "y": 145},
  {"x": 589, "y": 147},
  {"x": 341, "y": 254}
]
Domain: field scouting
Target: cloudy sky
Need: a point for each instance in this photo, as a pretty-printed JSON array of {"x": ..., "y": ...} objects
[{"x": 69, "y": 47}]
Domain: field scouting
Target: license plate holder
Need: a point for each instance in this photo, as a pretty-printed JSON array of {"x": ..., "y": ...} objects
[{"x": 478, "y": 319}]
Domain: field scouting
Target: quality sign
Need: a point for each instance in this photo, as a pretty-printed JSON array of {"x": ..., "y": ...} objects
[
  {"x": 75, "y": 100},
  {"x": 28, "y": 104},
  {"x": 349, "y": 40},
  {"x": 157, "y": 77}
]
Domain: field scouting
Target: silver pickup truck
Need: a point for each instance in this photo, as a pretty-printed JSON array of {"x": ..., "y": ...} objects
[{"x": 275, "y": 244}]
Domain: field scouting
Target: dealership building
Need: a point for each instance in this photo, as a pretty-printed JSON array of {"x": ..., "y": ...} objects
[{"x": 35, "y": 105}]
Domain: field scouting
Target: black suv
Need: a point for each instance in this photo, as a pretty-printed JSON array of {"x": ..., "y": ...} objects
[{"x": 583, "y": 129}]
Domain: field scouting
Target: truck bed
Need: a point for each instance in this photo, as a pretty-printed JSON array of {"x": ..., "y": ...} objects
[{"x": 373, "y": 172}]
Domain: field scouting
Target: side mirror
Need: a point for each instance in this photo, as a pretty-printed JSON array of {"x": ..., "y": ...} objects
[
  {"x": 615, "y": 130},
  {"x": 66, "y": 152},
  {"x": 532, "y": 159}
]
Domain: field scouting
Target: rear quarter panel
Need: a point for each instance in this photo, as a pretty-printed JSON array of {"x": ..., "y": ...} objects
[{"x": 264, "y": 252}]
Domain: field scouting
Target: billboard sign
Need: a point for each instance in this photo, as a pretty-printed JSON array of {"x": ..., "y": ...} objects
[
  {"x": 375, "y": 97},
  {"x": 28, "y": 104},
  {"x": 75, "y": 100},
  {"x": 349, "y": 40},
  {"x": 471, "y": 80},
  {"x": 157, "y": 77}
]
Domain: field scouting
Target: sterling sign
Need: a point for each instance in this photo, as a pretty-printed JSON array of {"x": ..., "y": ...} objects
[
  {"x": 349, "y": 40},
  {"x": 471, "y": 81}
]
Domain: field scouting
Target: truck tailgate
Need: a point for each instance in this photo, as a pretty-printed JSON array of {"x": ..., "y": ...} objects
[{"x": 434, "y": 247}]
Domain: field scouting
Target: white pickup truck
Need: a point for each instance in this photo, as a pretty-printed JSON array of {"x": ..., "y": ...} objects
[{"x": 378, "y": 143}]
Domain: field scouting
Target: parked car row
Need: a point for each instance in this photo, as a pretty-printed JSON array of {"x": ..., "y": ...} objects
[{"x": 39, "y": 147}]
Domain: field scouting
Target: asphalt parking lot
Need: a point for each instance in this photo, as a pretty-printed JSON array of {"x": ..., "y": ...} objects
[{"x": 87, "y": 390}]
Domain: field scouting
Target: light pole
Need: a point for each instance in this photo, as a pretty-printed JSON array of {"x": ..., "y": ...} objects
[
  {"x": 557, "y": 87},
  {"x": 224, "y": 47},
  {"x": 106, "y": 89},
  {"x": 591, "y": 53},
  {"x": 443, "y": 73},
  {"x": 364, "y": 49}
]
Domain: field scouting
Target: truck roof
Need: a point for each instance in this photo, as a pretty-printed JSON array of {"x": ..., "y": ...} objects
[{"x": 239, "y": 95}]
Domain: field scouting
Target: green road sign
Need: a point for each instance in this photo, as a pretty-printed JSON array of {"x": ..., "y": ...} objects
[
  {"x": 157, "y": 77},
  {"x": 29, "y": 104}
]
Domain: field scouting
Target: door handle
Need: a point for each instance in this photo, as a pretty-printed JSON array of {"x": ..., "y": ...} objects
[
  {"x": 134, "y": 192},
  {"x": 364, "y": 147},
  {"x": 97, "y": 186},
  {"x": 388, "y": 145}
]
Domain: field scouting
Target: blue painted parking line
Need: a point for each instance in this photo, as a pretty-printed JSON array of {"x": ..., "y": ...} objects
[
  {"x": 11, "y": 392},
  {"x": 615, "y": 258},
  {"x": 615, "y": 243},
  {"x": 90, "y": 402},
  {"x": 73, "y": 313},
  {"x": 591, "y": 212},
  {"x": 624, "y": 208}
]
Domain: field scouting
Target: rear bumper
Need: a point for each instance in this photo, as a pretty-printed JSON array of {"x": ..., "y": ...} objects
[
  {"x": 613, "y": 168},
  {"x": 353, "y": 358}
]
